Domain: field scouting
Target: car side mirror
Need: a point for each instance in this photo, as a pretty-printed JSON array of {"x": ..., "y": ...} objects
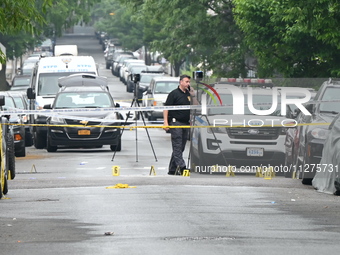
[
  {"x": 47, "y": 106},
  {"x": 117, "y": 105},
  {"x": 30, "y": 93},
  {"x": 310, "y": 108}
]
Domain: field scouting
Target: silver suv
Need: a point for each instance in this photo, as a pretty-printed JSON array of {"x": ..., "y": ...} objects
[{"x": 246, "y": 141}]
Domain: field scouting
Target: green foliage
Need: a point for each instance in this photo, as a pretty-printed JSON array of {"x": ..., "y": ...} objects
[
  {"x": 22, "y": 22},
  {"x": 181, "y": 30},
  {"x": 297, "y": 39}
]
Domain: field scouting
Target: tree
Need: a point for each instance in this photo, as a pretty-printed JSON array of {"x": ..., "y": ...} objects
[
  {"x": 201, "y": 31},
  {"x": 288, "y": 36},
  {"x": 32, "y": 20}
]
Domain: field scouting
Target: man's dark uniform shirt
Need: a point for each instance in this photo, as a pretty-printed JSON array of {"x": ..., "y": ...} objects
[{"x": 178, "y": 97}]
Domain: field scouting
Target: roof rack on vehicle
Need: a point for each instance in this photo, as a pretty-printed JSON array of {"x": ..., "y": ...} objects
[{"x": 245, "y": 82}]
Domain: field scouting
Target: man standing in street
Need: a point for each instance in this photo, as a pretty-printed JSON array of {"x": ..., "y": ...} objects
[{"x": 182, "y": 95}]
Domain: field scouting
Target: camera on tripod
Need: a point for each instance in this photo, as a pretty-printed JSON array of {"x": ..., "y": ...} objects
[
  {"x": 136, "y": 77},
  {"x": 197, "y": 75}
]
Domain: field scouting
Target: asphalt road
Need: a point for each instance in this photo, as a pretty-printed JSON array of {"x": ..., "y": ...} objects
[{"x": 65, "y": 203}]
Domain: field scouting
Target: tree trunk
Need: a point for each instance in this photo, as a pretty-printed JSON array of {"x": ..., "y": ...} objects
[
  {"x": 177, "y": 67},
  {"x": 3, "y": 81}
]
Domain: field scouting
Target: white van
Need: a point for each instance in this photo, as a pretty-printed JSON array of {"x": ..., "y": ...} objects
[
  {"x": 44, "y": 86},
  {"x": 65, "y": 50}
]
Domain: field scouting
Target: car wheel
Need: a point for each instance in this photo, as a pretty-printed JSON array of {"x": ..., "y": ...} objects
[
  {"x": 28, "y": 140},
  {"x": 116, "y": 147},
  {"x": 151, "y": 118},
  {"x": 10, "y": 157},
  {"x": 305, "y": 180},
  {"x": 1, "y": 181},
  {"x": 288, "y": 173},
  {"x": 21, "y": 152},
  {"x": 39, "y": 141},
  {"x": 202, "y": 164},
  {"x": 193, "y": 160},
  {"x": 49, "y": 147},
  {"x": 5, "y": 189},
  {"x": 128, "y": 87}
]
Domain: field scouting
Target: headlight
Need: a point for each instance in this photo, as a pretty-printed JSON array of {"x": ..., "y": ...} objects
[
  {"x": 221, "y": 130},
  {"x": 56, "y": 119},
  {"x": 319, "y": 133},
  {"x": 112, "y": 117}
]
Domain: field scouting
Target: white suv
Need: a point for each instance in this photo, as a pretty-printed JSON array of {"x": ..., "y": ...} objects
[{"x": 249, "y": 142}]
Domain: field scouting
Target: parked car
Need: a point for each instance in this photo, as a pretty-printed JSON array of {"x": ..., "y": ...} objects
[
  {"x": 246, "y": 141},
  {"x": 21, "y": 102},
  {"x": 157, "y": 93},
  {"x": 16, "y": 125},
  {"x": 21, "y": 82},
  {"x": 109, "y": 54},
  {"x": 133, "y": 70},
  {"x": 292, "y": 138},
  {"x": 7, "y": 156},
  {"x": 117, "y": 61},
  {"x": 95, "y": 128},
  {"x": 327, "y": 176},
  {"x": 313, "y": 134},
  {"x": 125, "y": 64},
  {"x": 27, "y": 68},
  {"x": 127, "y": 70},
  {"x": 144, "y": 81}
]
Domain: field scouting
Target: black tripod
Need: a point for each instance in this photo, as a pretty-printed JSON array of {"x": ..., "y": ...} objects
[{"x": 135, "y": 102}]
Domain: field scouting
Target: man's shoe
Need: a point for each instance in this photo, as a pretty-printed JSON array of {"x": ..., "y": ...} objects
[{"x": 171, "y": 173}]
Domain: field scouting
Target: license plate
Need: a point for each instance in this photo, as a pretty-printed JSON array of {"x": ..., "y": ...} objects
[
  {"x": 255, "y": 152},
  {"x": 84, "y": 132}
]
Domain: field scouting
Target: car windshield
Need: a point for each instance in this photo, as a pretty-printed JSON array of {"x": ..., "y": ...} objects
[
  {"x": 146, "y": 78},
  {"x": 9, "y": 103},
  {"x": 260, "y": 102},
  {"x": 137, "y": 69},
  {"x": 121, "y": 59},
  {"x": 48, "y": 83},
  {"x": 329, "y": 95},
  {"x": 83, "y": 100},
  {"x": 21, "y": 81},
  {"x": 165, "y": 87},
  {"x": 19, "y": 103}
]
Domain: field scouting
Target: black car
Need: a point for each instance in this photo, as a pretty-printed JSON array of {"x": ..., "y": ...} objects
[
  {"x": 84, "y": 128},
  {"x": 130, "y": 84},
  {"x": 313, "y": 133},
  {"x": 16, "y": 125}
]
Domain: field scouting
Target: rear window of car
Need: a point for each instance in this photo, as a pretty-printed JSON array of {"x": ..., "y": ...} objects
[
  {"x": 83, "y": 100},
  {"x": 165, "y": 87}
]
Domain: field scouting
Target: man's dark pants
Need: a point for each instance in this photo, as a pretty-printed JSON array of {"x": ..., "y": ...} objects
[{"x": 179, "y": 137}]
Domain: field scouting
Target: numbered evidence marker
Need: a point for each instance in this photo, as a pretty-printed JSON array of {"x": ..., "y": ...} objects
[{"x": 115, "y": 170}]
